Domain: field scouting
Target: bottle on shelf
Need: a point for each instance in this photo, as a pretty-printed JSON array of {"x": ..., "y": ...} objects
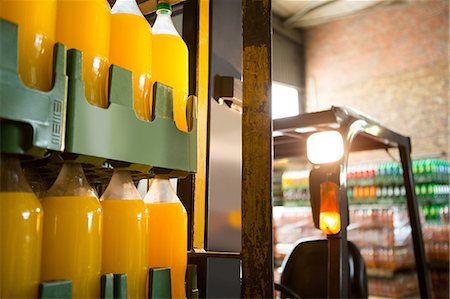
[
  {"x": 36, "y": 21},
  {"x": 85, "y": 26},
  {"x": 20, "y": 233},
  {"x": 125, "y": 233},
  {"x": 131, "y": 48},
  {"x": 167, "y": 233},
  {"x": 72, "y": 236},
  {"x": 170, "y": 62}
]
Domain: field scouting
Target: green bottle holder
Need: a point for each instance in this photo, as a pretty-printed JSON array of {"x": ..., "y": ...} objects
[
  {"x": 31, "y": 121},
  {"x": 61, "y": 125},
  {"x": 107, "y": 286},
  {"x": 115, "y": 135},
  {"x": 58, "y": 289},
  {"x": 159, "y": 284}
]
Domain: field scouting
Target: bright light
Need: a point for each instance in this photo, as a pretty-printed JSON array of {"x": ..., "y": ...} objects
[
  {"x": 325, "y": 147},
  {"x": 26, "y": 215},
  {"x": 330, "y": 222},
  {"x": 329, "y": 218},
  {"x": 284, "y": 101}
]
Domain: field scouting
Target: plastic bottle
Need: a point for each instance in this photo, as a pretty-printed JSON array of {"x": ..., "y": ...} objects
[
  {"x": 125, "y": 233},
  {"x": 170, "y": 62},
  {"x": 85, "y": 25},
  {"x": 20, "y": 233},
  {"x": 131, "y": 48},
  {"x": 168, "y": 233},
  {"x": 72, "y": 233},
  {"x": 36, "y": 21}
]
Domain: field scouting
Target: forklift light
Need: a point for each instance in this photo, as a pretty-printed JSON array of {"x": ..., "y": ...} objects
[
  {"x": 325, "y": 147},
  {"x": 329, "y": 218}
]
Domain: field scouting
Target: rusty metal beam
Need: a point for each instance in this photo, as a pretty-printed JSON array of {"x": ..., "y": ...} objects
[{"x": 257, "y": 244}]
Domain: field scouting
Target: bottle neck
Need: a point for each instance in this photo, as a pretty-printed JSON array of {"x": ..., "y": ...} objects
[
  {"x": 163, "y": 23},
  {"x": 71, "y": 181},
  {"x": 161, "y": 191},
  {"x": 127, "y": 7},
  {"x": 121, "y": 187},
  {"x": 12, "y": 178}
]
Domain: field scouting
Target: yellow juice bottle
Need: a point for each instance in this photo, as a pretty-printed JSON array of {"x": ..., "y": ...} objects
[
  {"x": 125, "y": 233},
  {"x": 131, "y": 48},
  {"x": 71, "y": 247},
  {"x": 170, "y": 62},
  {"x": 36, "y": 21},
  {"x": 20, "y": 233},
  {"x": 167, "y": 233},
  {"x": 85, "y": 25}
]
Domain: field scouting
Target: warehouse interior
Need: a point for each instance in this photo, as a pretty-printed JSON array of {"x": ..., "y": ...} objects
[
  {"x": 389, "y": 60},
  {"x": 260, "y": 79}
]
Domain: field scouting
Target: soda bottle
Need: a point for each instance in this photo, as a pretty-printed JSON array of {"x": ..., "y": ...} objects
[
  {"x": 170, "y": 62},
  {"x": 382, "y": 174},
  {"x": 85, "y": 25},
  {"x": 72, "y": 238},
  {"x": 396, "y": 179},
  {"x": 125, "y": 233},
  {"x": 36, "y": 21},
  {"x": 427, "y": 171},
  {"x": 389, "y": 174},
  {"x": 20, "y": 233},
  {"x": 434, "y": 171},
  {"x": 131, "y": 48},
  {"x": 350, "y": 193},
  {"x": 421, "y": 171},
  {"x": 167, "y": 233}
]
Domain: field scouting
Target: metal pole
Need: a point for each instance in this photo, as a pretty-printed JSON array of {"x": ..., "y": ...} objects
[
  {"x": 257, "y": 251},
  {"x": 414, "y": 219},
  {"x": 338, "y": 266}
]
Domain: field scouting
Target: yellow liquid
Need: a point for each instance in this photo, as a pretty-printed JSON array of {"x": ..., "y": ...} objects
[
  {"x": 168, "y": 242},
  {"x": 170, "y": 67},
  {"x": 71, "y": 243},
  {"x": 85, "y": 25},
  {"x": 131, "y": 48},
  {"x": 125, "y": 242},
  {"x": 21, "y": 238},
  {"x": 36, "y": 21}
]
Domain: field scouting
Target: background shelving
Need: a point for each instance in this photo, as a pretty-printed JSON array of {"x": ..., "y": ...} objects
[{"x": 379, "y": 223}]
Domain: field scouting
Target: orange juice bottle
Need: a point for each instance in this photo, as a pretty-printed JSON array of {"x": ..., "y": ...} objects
[
  {"x": 20, "y": 233},
  {"x": 85, "y": 25},
  {"x": 36, "y": 21},
  {"x": 170, "y": 62},
  {"x": 125, "y": 233},
  {"x": 167, "y": 233},
  {"x": 71, "y": 244},
  {"x": 131, "y": 48}
]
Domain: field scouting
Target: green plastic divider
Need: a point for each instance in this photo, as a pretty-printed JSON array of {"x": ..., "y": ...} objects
[
  {"x": 107, "y": 286},
  {"x": 159, "y": 285},
  {"x": 58, "y": 289},
  {"x": 116, "y": 134},
  {"x": 31, "y": 121},
  {"x": 120, "y": 286}
]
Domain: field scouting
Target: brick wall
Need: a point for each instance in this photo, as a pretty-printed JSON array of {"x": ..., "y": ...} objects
[{"x": 392, "y": 63}]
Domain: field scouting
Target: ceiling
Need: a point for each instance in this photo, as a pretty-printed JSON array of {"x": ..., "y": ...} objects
[{"x": 307, "y": 13}]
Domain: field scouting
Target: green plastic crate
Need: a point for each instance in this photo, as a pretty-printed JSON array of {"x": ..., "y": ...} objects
[
  {"x": 31, "y": 121},
  {"x": 61, "y": 122},
  {"x": 115, "y": 133}
]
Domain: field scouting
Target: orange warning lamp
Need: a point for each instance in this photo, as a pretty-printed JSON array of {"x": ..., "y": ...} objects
[{"x": 329, "y": 217}]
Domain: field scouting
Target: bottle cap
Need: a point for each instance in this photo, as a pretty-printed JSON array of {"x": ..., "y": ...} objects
[{"x": 164, "y": 5}]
